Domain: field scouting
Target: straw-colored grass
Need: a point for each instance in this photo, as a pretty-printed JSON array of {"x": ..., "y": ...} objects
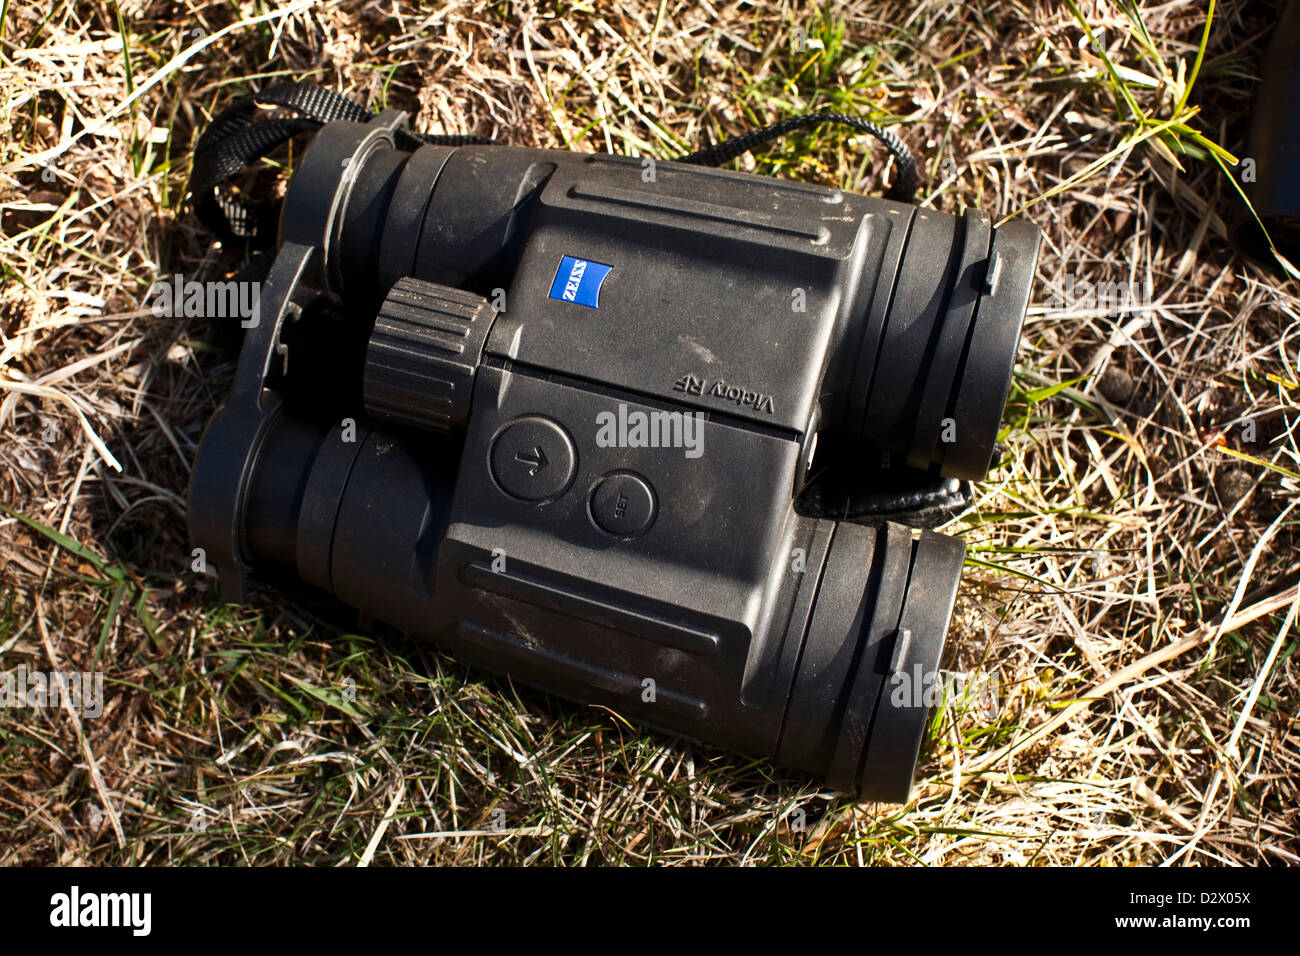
[{"x": 1131, "y": 591}]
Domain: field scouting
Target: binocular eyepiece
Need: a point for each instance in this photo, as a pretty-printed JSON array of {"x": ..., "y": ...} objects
[{"x": 561, "y": 414}]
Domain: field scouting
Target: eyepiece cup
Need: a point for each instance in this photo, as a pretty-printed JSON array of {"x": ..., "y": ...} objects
[
  {"x": 985, "y": 378},
  {"x": 868, "y": 673}
]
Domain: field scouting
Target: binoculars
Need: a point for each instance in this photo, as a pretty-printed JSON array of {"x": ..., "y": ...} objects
[{"x": 600, "y": 422}]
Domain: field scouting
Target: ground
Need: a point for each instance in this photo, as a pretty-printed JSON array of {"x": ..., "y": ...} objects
[{"x": 1126, "y": 619}]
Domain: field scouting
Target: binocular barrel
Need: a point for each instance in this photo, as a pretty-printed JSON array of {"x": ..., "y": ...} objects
[
  {"x": 562, "y": 411},
  {"x": 816, "y": 647},
  {"x": 899, "y": 323}
]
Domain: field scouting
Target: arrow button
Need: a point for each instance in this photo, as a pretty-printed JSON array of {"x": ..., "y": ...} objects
[{"x": 533, "y": 459}]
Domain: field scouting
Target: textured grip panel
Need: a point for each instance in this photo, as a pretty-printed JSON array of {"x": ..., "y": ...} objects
[{"x": 423, "y": 353}]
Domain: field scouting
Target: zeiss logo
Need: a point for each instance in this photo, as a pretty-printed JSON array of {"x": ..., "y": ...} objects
[{"x": 578, "y": 280}]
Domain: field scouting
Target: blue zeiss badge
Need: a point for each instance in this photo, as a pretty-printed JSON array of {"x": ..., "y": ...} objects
[{"x": 578, "y": 280}]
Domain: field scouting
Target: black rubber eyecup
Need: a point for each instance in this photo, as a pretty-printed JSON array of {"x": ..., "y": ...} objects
[
  {"x": 868, "y": 672},
  {"x": 984, "y": 379}
]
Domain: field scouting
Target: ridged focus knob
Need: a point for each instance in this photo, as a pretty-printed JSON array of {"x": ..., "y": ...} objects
[{"x": 423, "y": 353}]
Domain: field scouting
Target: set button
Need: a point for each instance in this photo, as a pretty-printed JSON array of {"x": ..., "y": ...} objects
[{"x": 622, "y": 504}]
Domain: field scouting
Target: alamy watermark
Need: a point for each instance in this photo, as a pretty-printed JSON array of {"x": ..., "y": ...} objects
[
  {"x": 1109, "y": 298},
  {"x": 634, "y": 428},
  {"x": 83, "y": 691},
  {"x": 177, "y": 297},
  {"x": 919, "y": 687},
  {"x": 73, "y": 909}
]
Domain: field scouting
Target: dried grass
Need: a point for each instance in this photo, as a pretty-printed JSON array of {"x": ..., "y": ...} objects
[{"x": 1133, "y": 582}]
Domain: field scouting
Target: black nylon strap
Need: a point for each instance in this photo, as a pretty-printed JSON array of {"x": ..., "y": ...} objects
[
  {"x": 903, "y": 189},
  {"x": 928, "y": 503},
  {"x": 926, "y": 506},
  {"x": 238, "y": 136}
]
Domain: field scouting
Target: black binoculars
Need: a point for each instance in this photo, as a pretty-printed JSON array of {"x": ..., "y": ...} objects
[{"x": 606, "y": 424}]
